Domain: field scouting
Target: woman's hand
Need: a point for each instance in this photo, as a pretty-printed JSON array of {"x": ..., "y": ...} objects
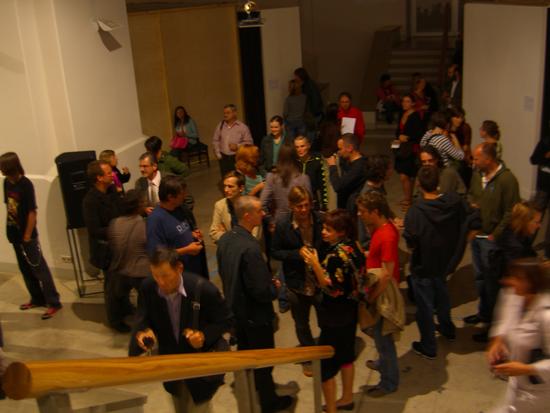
[
  {"x": 515, "y": 368},
  {"x": 310, "y": 256},
  {"x": 497, "y": 351}
]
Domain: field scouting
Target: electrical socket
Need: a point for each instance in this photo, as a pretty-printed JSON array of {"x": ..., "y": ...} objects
[{"x": 67, "y": 259}]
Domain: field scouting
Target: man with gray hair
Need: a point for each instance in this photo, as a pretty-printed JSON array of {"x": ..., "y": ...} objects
[
  {"x": 228, "y": 136},
  {"x": 494, "y": 190},
  {"x": 249, "y": 290}
]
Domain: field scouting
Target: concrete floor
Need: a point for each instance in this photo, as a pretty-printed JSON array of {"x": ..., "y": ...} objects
[{"x": 457, "y": 381}]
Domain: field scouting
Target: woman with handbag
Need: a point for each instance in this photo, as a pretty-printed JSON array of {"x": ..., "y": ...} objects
[
  {"x": 520, "y": 343},
  {"x": 22, "y": 234},
  {"x": 337, "y": 275},
  {"x": 406, "y": 147},
  {"x": 185, "y": 132}
]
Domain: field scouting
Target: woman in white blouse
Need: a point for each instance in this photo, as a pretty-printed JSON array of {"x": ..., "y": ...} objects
[{"x": 520, "y": 343}]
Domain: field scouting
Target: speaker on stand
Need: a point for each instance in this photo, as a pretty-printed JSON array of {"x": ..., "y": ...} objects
[{"x": 71, "y": 168}]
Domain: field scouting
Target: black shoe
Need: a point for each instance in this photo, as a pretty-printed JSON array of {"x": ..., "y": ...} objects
[
  {"x": 349, "y": 406},
  {"x": 482, "y": 337},
  {"x": 449, "y": 337},
  {"x": 121, "y": 327},
  {"x": 472, "y": 319},
  {"x": 417, "y": 348},
  {"x": 283, "y": 308},
  {"x": 280, "y": 403},
  {"x": 377, "y": 392}
]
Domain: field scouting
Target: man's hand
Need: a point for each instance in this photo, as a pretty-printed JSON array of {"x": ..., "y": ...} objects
[
  {"x": 194, "y": 337},
  {"x": 194, "y": 248},
  {"x": 197, "y": 234},
  {"x": 141, "y": 335},
  {"x": 403, "y": 138},
  {"x": 233, "y": 147},
  {"x": 331, "y": 160}
]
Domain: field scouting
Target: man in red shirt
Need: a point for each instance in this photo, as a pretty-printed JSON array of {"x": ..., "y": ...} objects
[
  {"x": 355, "y": 116},
  {"x": 373, "y": 210}
]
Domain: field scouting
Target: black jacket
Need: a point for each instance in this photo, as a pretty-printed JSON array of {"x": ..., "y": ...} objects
[
  {"x": 214, "y": 320},
  {"x": 246, "y": 279},
  {"x": 436, "y": 232},
  {"x": 350, "y": 183},
  {"x": 314, "y": 168},
  {"x": 99, "y": 209},
  {"x": 266, "y": 153},
  {"x": 538, "y": 158},
  {"x": 286, "y": 245}
]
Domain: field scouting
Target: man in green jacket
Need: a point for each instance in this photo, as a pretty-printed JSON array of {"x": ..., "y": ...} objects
[
  {"x": 167, "y": 164},
  {"x": 494, "y": 190}
]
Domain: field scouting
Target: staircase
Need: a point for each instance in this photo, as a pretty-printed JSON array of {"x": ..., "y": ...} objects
[{"x": 418, "y": 55}]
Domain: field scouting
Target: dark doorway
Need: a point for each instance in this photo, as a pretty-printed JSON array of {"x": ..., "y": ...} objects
[
  {"x": 545, "y": 127},
  {"x": 250, "y": 40}
]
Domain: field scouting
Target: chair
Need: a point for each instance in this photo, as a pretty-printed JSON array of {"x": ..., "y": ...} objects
[{"x": 197, "y": 150}]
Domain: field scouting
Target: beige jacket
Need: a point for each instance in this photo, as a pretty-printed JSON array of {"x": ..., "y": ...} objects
[
  {"x": 221, "y": 222},
  {"x": 389, "y": 304}
]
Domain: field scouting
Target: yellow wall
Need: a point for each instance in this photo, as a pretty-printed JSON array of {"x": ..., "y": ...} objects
[{"x": 200, "y": 66}]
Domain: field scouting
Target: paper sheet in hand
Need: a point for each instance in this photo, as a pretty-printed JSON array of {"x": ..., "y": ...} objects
[{"x": 348, "y": 125}]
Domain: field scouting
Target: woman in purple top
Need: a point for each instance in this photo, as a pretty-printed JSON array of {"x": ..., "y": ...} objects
[{"x": 287, "y": 174}]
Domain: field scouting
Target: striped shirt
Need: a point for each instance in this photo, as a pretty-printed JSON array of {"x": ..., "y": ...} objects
[{"x": 443, "y": 145}]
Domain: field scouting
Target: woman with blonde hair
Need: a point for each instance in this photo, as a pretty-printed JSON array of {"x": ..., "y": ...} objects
[
  {"x": 246, "y": 162},
  {"x": 515, "y": 242}
]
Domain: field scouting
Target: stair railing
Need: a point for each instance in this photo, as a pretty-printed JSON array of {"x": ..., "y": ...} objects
[{"x": 50, "y": 382}]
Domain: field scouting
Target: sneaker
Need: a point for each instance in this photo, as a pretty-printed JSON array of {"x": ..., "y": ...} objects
[
  {"x": 378, "y": 391},
  {"x": 372, "y": 364},
  {"x": 472, "y": 319},
  {"x": 417, "y": 348},
  {"x": 28, "y": 306},
  {"x": 50, "y": 312},
  {"x": 449, "y": 337}
]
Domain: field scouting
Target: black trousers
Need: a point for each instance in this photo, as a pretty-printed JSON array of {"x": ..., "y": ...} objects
[
  {"x": 227, "y": 164},
  {"x": 250, "y": 337},
  {"x": 116, "y": 289},
  {"x": 36, "y": 274}
]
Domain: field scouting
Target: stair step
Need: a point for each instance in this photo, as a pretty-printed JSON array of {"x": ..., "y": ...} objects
[
  {"x": 414, "y": 60},
  {"x": 414, "y": 52},
  {"x": 425, "y": 70}
]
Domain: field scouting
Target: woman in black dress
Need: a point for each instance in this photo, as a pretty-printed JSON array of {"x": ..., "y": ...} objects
[
  {"x": 337, "y": 275},
  {"x": 406, "y": 146}
]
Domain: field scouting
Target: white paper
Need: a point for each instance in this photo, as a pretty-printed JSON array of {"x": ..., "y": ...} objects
[
  {"x": 395, "y": 144},
  {"x": 348, "y": 125}
]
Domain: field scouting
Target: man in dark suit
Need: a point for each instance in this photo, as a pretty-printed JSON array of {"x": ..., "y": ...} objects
[
  {"x": 99, "y": 206},
  {"x": 166, "y": 317},
  {"x": 149, "y": 183},
  {"x": 249, "y": 290}
]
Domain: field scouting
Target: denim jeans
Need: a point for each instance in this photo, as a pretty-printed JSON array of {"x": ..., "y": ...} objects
[
  {"x": 387, "y": 359},
  {"x": 300, "y": 307},
  {"x": 36, "y": 274},
  {"x": 486, "y": 275},
  {"x": 428, "y": 291}
]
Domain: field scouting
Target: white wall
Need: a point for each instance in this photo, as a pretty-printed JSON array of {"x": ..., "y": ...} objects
[
  {"x": 62, "y": 90},
  {"x": 281, "y": 54},
  {"x": 504, "y": 52}
]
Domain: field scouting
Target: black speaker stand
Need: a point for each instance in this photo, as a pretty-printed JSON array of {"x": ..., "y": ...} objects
[{"x": 79, "y": 276}]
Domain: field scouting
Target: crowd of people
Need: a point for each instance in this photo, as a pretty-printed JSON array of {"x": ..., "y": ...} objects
[{"x": 277, "y": 239}]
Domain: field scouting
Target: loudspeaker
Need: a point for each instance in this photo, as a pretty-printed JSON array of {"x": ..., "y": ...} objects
[{"x": 71, "y": 168}]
